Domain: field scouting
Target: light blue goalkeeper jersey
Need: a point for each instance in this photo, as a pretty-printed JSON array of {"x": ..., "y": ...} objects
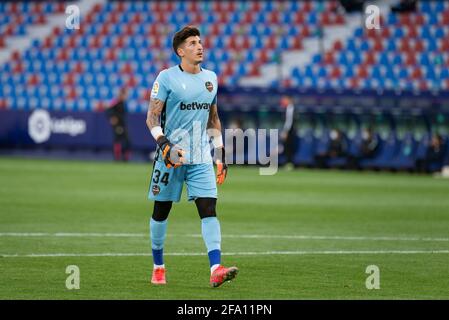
[{"x": 188, "y": 98}]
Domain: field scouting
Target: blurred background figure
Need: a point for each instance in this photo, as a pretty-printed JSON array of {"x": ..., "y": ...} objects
[
  {"x": 368, "y": 148},
  {"x": 434, "y": 159},
  {"x": 337, "y": 149},
  {"x": 288, "y": 133},
  {"x": 117, "y": 118}
]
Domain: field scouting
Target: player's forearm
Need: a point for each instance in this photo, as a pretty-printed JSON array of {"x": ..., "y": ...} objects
[
  {"x": 214, "y": 124},
  {"x": 214, "y": 121},
  {"x": 214, "y": 127},
  {"x": 153, "y": 117},
  {"x": 154, "y": 113}
]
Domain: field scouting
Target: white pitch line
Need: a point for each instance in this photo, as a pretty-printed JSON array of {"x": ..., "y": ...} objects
[
  {"x": 306, "y": 237},
  {"x": 250, "y": 253},
  {"x": 237, "y": 236},
  {"x": 70, "y": 234}
]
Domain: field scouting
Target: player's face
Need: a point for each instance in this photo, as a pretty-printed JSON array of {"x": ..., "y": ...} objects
[{"x": 192, "y": 50}]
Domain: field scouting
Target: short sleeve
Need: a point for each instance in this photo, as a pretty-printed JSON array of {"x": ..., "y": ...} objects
[
  {"x": 160, "y": 87},
  {"x": 216, "y": 95}
]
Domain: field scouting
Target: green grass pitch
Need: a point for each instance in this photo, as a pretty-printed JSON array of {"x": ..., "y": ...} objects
[{"x": 304, "y": 234}]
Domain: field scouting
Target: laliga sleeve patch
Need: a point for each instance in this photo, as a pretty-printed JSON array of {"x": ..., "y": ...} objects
[{"x": 155, "y": 89}]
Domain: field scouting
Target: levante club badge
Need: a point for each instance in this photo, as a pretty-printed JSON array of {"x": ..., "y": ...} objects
[
  {"x": 209, "y": 86},
  {"x": 156, "y": 190}
]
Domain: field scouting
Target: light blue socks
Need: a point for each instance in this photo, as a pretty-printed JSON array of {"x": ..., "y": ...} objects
[
  {"x": 210, "y": 228},
  {"x": 158, "y": 230}
]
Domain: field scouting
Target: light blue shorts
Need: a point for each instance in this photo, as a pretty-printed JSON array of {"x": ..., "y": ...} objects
[{"x": 166, "y": 184}]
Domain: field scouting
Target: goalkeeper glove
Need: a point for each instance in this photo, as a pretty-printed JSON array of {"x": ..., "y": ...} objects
[
  {"x": 222, "y": 167},
  {"x": 173, "y": 155}
]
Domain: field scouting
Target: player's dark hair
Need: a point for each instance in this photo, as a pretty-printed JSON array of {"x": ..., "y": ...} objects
[{"x": 182, "y": 35}]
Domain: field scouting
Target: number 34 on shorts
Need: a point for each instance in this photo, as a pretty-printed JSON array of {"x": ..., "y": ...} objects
[{"x": 166, "y": 183}]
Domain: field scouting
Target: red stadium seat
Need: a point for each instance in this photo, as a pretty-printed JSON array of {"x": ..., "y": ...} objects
[
  {"x": 385, "y": 32},
  {"x": 111, "y": 54},
  {"x": 33, "y": 80},
  {"x": 254, "y": 70},
  {"x": 56, "y": 31},
  {"x": 223, "y": 17},
  {"x": 229, "y": 69},
  {"x": 69, "y": 79},
  {"x": 13, "y": 8},
  {"x": 335, "y": 73},
  {"x": 18, "y": 68},
  {"x": 272, "y": 43},
  {"x": 193, "y": 6},
  {"x": 137, "y": 18},
  {"x": 325, "y": 19},
  {"x": 405, "y": 45},
  {"x": 419, "y": 45},
  {"x": 232, "y": 43},
  {"x": 37, "y": 8},
  {"x": 411, "y": 31},
  {"x": 362, "y": 71},
  {"x": 263, "y": 57},
  {"x": 197, "y": 18},
  {"x": 378, "y": 45},
  {"x": 416, "y": 73},
  {"x": 10, "y": 29},
  {"x": 127, "y": 68},
  {"x": 286, "y": 83},
  {"x": 246, "y": 43},
  {"x": 248, "y": 17},
  {"x": 307, "y": 6},
  {"x": 445, "y": 45},
  {"x": 297, "y": 43},
  {"x": 129, "y": 29},
  {"x": 60, "y": 7},
  {"x": 329, "y": 58},
  {"x": 340, "y": 19},
  {"x": 300, "y": 18},
  {"x": 95, "y": 42},
  {"x": 354, "y": 82},
  {"x": 41, "y": 19},
  {"x": 305, "y": 31},
  {"x": 370, "y": 57},
  {"x": 420, "y": 19},
  {"x": 15, "y": 55},
  {"x": 445, "y": 18},
  {"x": 410, "y": 59},
  {"x": 70, "y": 92},
  {"x": 338, "y": 45},
  {"x": 79, "y": 67},
  {"x": 104, "y": 30},
  {"x": 48, "y": 42},
  {"x": 132, "y": 81},
  {"x": 255, "y": 6}
]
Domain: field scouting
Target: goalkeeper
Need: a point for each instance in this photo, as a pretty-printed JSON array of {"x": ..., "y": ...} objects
[{"x": 181, "y": 116}]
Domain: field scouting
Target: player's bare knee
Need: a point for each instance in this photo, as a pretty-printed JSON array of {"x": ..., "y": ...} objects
[
  {"x": 161, "y": 210},
  {"x": 206, "y": 207}
]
